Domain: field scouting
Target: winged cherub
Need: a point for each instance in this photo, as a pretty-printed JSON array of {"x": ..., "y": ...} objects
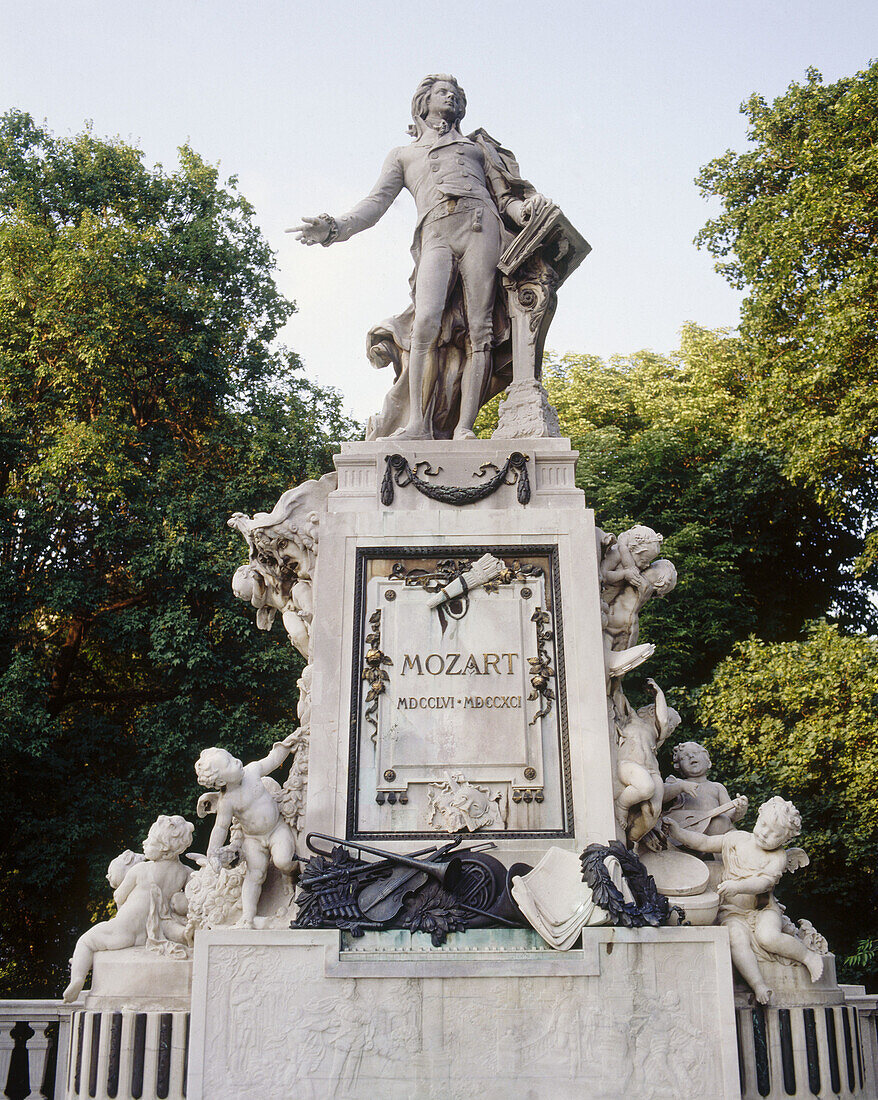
[{"x": 753, "y": 864}]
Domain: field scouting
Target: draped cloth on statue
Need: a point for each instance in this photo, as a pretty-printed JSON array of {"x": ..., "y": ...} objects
[{"x": 389, "y": 342}]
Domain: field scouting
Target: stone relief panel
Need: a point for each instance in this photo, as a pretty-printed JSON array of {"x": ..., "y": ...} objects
[
  {"x": 283, "y": 1030},
  {"x": 648, "y": 1026},
  {"x": 454, "y": 804}
]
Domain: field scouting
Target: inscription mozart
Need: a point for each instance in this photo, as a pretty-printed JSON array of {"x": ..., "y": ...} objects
[
  {"x": 436, "y": 664},
  {"x": 461, "y": 691}
]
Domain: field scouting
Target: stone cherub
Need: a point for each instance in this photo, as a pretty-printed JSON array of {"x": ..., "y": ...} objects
[
  {"x": 247, "y": 797},
  {"x": 283, "y": 544},
  {"x": 630, "y": 577},
  {"x": 753, "y": 864},
  {"x": 624, "y": 558},
  {"x": 470, "y": 200},
  {"x": 640, "y": 734},
  {"x": 696, "y": 802},
  {"x": 148, "y": 892}
]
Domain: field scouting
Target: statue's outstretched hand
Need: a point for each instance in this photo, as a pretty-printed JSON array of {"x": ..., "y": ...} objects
[{"x": 311, "y": 231}]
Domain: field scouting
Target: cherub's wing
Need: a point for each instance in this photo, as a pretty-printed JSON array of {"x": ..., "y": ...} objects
[
  {"x": 207, "y": 803},
  {"x": 796, "y": 858},
  {"x": 286, "y": 800},
  {"x": 273, "y": 787}
]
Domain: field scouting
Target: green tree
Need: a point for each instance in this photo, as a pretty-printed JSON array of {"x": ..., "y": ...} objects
[
  {"x": 141, "y": 402},
  {"x": 658, "y": 445},
  {"x": 799, "y": 719},
  {"x": 799, "y": 233}
]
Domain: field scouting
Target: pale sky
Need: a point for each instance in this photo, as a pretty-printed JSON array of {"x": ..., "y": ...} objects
[{"x": 611, "y": 109}]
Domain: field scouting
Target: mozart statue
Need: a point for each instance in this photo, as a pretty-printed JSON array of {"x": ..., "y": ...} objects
[{"x": 451, "y": 350}]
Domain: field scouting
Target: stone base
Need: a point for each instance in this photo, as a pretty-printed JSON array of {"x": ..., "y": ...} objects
[
  {"x": 791, "y": 986},
  {"x": 807, "y": 1042},
  {"x": 130, "y": 1040},
  {"x": 127, "y": 1055},
  {"x": 526, "y": 413},
  {"x": 301, "y": 1014},
  {"x": 138, "y": 979}
]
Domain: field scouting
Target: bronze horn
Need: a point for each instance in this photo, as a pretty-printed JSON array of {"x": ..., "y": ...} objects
[
  {"x": 438, "y": 871},
  {"x": 374, "y": 851}
]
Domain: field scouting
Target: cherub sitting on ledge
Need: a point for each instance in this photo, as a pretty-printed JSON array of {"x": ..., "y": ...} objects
[
  {"x": 695, "y": 802},
  {"x": 753, "y": 864},
  {"x": 245, "y": 795},
  {"x": 149, "y": 897}
]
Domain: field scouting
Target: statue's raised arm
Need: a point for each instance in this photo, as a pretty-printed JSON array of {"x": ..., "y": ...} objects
[{"x": 461, "y": 341}]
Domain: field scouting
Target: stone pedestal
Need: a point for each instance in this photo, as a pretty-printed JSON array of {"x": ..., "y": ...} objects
[
  {"x": 458, "y": 695},
  {"x": 807, "y": 1042},
  {"x": 525, "y": 412},
  {"x": 130, "y": 1040},
  {"x": 644, "y": 1013},
  {"x": 458, "y": 686},
  {"x": 138, "y": 978}
]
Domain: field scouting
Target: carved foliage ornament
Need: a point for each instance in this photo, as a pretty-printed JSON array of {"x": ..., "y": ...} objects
[
  {"x": 449, "y": 569},
  {"x": 455, "y": 804},
  {"x": 541, "y": 671}
]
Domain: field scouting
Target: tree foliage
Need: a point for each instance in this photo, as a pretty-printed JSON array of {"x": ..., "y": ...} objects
[
  {"x": 799, "y": 232},
  {"x": 140, "y": 404},
  {"x": 658, "y": 445},
  {"x": 799, "y": 719}
]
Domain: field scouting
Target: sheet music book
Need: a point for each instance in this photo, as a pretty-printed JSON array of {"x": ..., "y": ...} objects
[{"x": 549, "y": 229}]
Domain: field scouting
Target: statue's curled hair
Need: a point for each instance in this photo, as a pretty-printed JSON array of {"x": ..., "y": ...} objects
[
  {"x": 421, "y": 100},
  {"x": 173, "y": 833},
  {"x": 783, "y": 814}
]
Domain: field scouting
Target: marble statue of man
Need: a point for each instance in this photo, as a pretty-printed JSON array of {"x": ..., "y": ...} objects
[{"x": 469, "y": 198}]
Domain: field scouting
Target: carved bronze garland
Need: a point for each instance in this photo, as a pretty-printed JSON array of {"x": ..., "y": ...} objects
[
  {"x": 541, "y": 670},
  {"x": 649, "y": 906},
  {"x": 373, "y": 673},
  {"x": 398, "y": 470}
]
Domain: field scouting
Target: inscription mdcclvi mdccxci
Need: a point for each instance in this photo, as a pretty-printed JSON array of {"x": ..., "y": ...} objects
[{"x": 459, "y": 716}]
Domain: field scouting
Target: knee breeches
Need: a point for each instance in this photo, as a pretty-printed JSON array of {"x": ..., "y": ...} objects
[{"x": 452, "y": 246}]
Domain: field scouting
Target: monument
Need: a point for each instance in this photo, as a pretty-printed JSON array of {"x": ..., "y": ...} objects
[{"x": 474, "y": 878}]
